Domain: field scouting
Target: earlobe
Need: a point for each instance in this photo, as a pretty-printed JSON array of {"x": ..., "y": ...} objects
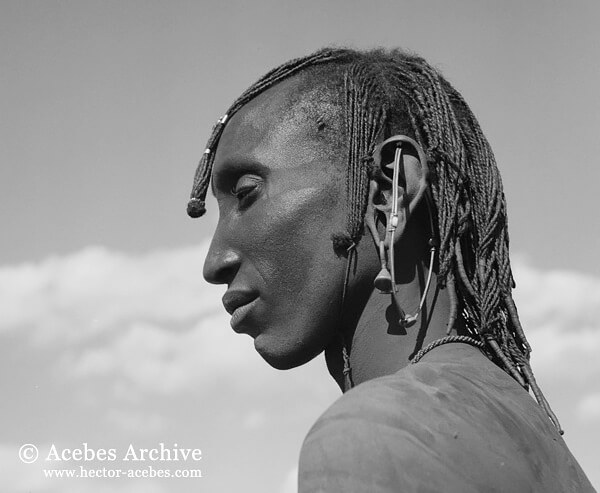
[{"x": 395, "y": 198}]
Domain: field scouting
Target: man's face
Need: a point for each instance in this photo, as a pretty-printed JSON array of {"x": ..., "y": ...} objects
[{"x": 280, "y": 199}]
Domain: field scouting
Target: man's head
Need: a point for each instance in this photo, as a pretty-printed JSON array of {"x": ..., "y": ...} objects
[
  {"x": 277, "y": 183},
  {"x": 315, "y": 121}
]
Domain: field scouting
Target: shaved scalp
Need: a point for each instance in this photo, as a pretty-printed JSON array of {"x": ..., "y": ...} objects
[
  {"x": 357, "y": 99},
  {"x": 314, "y": 108}
]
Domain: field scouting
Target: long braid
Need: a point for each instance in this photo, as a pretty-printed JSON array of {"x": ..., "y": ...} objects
[
  {"x": 196, "y": 205},
  {"x": 388, "y": 92},
  {"x": 364, "y": 125}
]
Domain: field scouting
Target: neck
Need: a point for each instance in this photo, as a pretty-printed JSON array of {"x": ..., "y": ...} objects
[{"x": 378, "y": 345}]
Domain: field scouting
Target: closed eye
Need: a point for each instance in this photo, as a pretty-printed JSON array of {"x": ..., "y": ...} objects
[
  {"x": 245, "y": 188},
  {"x": 238, "y": 178}
]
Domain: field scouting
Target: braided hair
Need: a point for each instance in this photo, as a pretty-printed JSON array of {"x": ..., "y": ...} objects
[{"x": 390, "y": 91}]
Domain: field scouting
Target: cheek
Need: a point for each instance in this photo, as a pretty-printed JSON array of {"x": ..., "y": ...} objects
[{"x": 295, "y": 253}]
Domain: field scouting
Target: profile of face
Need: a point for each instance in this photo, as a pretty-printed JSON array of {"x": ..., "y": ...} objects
[{"x": 281, "y": 195}]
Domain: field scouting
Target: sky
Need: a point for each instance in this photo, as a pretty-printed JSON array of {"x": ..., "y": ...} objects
[{"x": 109, "y": 335}]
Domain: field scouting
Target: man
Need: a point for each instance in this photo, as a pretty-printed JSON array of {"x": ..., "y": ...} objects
[{"x": 362, "y": 214}]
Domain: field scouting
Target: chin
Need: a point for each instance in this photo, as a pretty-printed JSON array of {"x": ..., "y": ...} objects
[{"x": 282, "y": 356}]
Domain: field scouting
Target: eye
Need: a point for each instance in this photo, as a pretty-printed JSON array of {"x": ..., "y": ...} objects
[{"x": 245, "y": 188}]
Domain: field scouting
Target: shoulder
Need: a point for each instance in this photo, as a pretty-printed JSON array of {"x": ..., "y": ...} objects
[
  {"x": 384, "y": 436},
  {"x": 432, "y": 427}
]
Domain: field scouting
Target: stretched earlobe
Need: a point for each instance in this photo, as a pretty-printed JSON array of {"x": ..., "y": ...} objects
[{"x": 395, "y": 198}]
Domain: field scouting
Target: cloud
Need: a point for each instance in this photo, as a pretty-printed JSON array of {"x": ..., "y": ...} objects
[
  {"x": 290, "y": 485},
  {"x": 126, "y": 334},
  {"x": 139, "y": 348},
  {"x": 588, "y": 409},
  {"x": 154, "y": 359},
  {"x": 27, "y": 478},
  {"x": 23, "y": 477},
  {"x": 560, "y": 312},
  {"x": 152, "y": 320},
  {"x": 78, "y": 296},
  {"x": 136, "y": 421},
  {"x": 557, "y": 299}
]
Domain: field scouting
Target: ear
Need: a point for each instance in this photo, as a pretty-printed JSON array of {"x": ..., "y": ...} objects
[{"x": 402, "y": 156}]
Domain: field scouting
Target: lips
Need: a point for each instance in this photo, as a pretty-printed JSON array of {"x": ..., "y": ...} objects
[
  {"x": 238, "y": 304},
  {"x": 232, "y": 300}
]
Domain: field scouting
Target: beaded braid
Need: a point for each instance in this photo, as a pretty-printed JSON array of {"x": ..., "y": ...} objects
[
  {"x": 196, "y": 205},
  {"x": 388, "y": 91}
]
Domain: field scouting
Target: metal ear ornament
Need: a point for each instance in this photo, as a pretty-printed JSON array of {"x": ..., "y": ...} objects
[{"x": 388, "y": 152}]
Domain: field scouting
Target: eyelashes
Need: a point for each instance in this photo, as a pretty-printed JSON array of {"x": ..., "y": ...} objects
[{"x": 246, "y": 189}]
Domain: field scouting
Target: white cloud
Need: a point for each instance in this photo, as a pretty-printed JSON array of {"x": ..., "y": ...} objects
[
  {"x": 23, "y": 477},
  {"x": 149, "y": 327},
  {"x": 158, "y": 360},
  {"x": 558, "y": 299},
  {"x": 588, "y": 409},
  {"x": 254, "y": 419},
  {"x": 27, "y": 478},
  {"x": 290, "y": 485},
  {"x": 79, "y": 296},
  {"x": 149, "y": 320},
  {"x": 136, "y": 421},
  {"x": 560, "y": 312},
  {"x": 153, "y": 321}
]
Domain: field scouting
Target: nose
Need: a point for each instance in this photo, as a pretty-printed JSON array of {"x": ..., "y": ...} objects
[{"x": 221, "y": 263}]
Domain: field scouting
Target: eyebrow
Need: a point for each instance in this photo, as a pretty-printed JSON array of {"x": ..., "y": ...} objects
[{"x": 235, "y": 166}]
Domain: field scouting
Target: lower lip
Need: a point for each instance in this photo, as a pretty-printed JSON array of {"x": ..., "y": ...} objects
[{"x": 240, "y": 313}]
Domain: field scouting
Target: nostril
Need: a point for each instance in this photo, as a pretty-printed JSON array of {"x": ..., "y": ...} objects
[{"x": 220, "y": 267}]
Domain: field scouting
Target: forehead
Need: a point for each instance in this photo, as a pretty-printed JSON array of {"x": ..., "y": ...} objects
[{"x": 286, "y": 120}]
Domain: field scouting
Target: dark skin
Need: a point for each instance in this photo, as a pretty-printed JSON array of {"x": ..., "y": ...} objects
[
  {"x": 274, "y": 241},
  {"x": 278, "y": 205},
  {"x": 453, "y": 422}
]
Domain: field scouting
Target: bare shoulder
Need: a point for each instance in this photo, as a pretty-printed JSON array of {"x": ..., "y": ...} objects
[{"x": 453, "y": 422}]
